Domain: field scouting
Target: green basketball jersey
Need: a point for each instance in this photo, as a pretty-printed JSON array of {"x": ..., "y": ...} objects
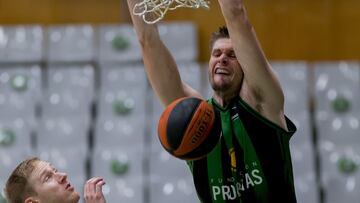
[{"x": 250, "y": 163}]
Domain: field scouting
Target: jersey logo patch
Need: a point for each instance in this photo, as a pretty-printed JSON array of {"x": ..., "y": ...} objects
[{"x": 232, "y": 159}]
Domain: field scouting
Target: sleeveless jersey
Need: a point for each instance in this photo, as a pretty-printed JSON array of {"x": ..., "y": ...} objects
[{"x": 250, "y": 163}]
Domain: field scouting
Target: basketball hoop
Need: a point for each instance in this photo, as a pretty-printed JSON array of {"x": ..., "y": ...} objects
[{"x": 160, "y": 7}]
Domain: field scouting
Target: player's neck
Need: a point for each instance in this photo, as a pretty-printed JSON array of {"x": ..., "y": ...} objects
[{"x": 223, "y": 98}]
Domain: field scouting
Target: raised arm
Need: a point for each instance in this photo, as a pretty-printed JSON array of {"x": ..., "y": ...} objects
[
  {"x": 159, "y": 64},
  {"x": 261, "y": 88}
]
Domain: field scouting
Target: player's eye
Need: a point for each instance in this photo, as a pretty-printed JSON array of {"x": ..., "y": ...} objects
[
  {"x": 232, "y": 55},
  {"x": 47, "y": 177},
  {"x": 216, "y": 53}
]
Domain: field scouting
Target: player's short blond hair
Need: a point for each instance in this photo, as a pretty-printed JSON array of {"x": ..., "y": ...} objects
[{"x": 17, "y": 187}]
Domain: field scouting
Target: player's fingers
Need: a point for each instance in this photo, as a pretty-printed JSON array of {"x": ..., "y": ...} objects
[
  {"x": 90, "y": 186},
  {"x": 99, "y": 185},
  {"x": 87, "y": 188}
]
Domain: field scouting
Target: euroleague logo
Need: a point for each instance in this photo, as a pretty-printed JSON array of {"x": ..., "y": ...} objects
[{"x": 202, "y": 126}]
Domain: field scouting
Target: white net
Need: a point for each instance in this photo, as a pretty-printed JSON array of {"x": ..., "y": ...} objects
[{"x": 160, "y": 7}]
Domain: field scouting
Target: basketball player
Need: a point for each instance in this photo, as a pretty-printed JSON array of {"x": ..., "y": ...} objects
[
  {"x": 251, "y": 162},
  {"x": 37, "y": 181}
]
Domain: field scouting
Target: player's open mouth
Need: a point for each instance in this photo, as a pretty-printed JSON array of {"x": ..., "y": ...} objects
[
  {"x": 68, "y": 186},
  {"x": 222, "y": 71}
]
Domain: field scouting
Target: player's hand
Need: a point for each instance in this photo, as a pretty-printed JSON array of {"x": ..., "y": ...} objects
[
  {"x": 93, "y": 190},
  {"x": 232, "y": 10}
]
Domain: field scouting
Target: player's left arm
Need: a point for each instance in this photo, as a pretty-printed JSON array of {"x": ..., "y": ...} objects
[{"x": 261, "y": 89}]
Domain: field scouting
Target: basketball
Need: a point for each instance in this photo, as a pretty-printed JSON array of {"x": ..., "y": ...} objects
[{"x": 186, "y": 128}]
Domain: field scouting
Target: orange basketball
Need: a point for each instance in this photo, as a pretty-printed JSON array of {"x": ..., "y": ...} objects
[{"x": 186, "y": 128}]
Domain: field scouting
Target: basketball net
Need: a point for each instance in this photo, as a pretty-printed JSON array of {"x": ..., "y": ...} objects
[{"x": 160, "y": 7}]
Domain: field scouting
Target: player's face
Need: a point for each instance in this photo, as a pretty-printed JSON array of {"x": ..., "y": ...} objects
[
  {"x": 225, "y": 73},
  {"x": 52, "y": 185}
]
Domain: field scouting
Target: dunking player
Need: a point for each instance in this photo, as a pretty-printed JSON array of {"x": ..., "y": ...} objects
[{"x": 251, "y": 162}]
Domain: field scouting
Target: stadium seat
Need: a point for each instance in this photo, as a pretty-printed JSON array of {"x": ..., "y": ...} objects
[
  {"x": 164, "y": 165},
  {"x": 337, "y": 102},
  {"x": 15, "y": 134},
  {"x": 63, "y": 132},
  {"x": 122, "y": 92},
  {"x": 70, "y": 90},
  {"x": 170, "y": 189},
  {"x": 118, "y": 43},
  {"x": 306, "y": 188},
  {"x": 21, "y": 43},
  {"x": 293, "y": 77},
  {"x": 340, "y": 175},
  {"x": 303, "y": 158},
  {"x": 181, "y": 39},
  {"x": 119, "y": 132},
  {"x": 2, "y": 193},
  {"x": 71, "y": 43},
  {"x": 20, "y": 90},
  {"x": 294, "y": 80},
  {"x": 120, "y": 190},
  {"x": 122, "y": 169}
]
